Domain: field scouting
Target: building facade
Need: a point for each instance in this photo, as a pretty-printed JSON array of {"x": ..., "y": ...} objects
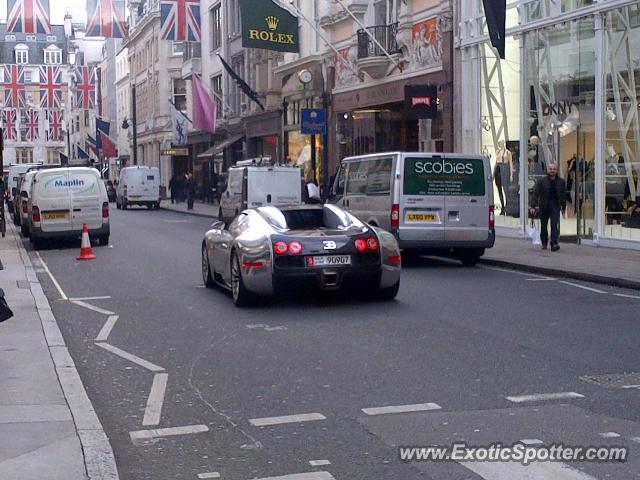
[
  {"x": 567, "y": 93},
  {"x": 122, "y": 135}
]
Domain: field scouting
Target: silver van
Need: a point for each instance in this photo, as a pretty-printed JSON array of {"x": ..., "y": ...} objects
[{"x": 435, "y": 203}]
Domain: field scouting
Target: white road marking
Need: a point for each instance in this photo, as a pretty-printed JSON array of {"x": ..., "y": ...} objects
[
  {"x": 630, "y": 386},
  {"x": 156, "y": 399},
  {"x": 577, "y": 285},
  {"x": 274, "y": 329},
  {"x": 304, "y": 417},
  {"x": 103, "y": 297},
  {"x": 129, "y": 356},
  {"x": 609, "y": 435},
  {"x": 303, "y": 476},
  {"x": 418, "y": 407},
  {"x": 319, "y": 463},
  {"x": 86, "y": 305},
  {"x": 257, "y": 325},
  {"x": 531, "y": 441},
  {"x": 635, "y": 439},
  {"x": 106, "y": 329},
  {"x": 541, "y": 279},
  {"x": 537, "y": 397},
  {"x": 515, "y": 272},
  {"x": 533, "y": 471},
  {"x": 209, "y": 475},
  {"x": 167, "y": 432},
  {"x": 63, "y": 295},
  {"x": 624, "y": 295}
]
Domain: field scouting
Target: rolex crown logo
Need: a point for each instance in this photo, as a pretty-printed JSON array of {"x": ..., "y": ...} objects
[{"x": 272, "y": 22}]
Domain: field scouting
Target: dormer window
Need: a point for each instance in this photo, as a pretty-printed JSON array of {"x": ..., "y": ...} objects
[
  {"x": 21, "y": 53},
  {"x": 52, "y": 55}
]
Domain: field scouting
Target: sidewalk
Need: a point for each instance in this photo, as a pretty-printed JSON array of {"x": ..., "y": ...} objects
[
  {"x": 48, "y": 428},
  {"x": 610, "y": 266}
]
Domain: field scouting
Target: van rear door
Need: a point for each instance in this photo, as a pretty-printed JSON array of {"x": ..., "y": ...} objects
[
  {"x": 51, "y": 194},
  {"x": 273, "y": 186},
  {"x": 422, "y": 202},
  {"x": 86, "y": 199}
]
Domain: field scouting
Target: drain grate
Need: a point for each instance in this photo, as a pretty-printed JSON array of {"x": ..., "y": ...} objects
[{"x": 614, "y": 380}]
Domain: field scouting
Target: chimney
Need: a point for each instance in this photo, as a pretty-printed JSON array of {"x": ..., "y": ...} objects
[{"x": 68, "y": 27}]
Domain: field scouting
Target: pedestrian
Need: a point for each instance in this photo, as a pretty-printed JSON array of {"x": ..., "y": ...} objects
[
  {"x": 180, "y": 188},
  {"x": 548, "y": 200},
  {"x": 173, "y": 187},
  {"x": 191, "y": 190},
  {"x": 313, "y": 192}
]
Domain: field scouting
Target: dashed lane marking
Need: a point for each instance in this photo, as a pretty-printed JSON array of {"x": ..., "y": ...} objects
[
  {"x": 609, "y": 435},
  {"x": 63, "y": 295},
  {"x": 103, "y": 297},
  {"x": 533, "y": 471},
  {"x": 156, "y": 399},
  {"x": 583, "y": 287},
  {"x": 635, "y": 439},
  {"x": 538, "y": 397},
  {"x": 628, "y": 387},
  {"x": 418, "y": 407},
  {"x": 106, "y": 329},
  {"x": 319, "y": 463},
  {"x": 209, "y": 475},
  {"x": 88, "y": 306},
  {"x": 624, "y": 295},
  {"x": 531, "y": 441},
  {"x": 541, "y": 279},
  {"x": 139, "y": 435},
  {"x": 131, "y": 357},
  {"x": 303, "y": 476},
  {"x": 269, "y": 421}
]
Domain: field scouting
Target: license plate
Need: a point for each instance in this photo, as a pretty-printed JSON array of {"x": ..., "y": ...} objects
[
  {"x": 54, "y": 216},
  {"x": 421, "y": 217},
  {"x": 328, "y": 260},
  {"x": 135, "y": 196}
]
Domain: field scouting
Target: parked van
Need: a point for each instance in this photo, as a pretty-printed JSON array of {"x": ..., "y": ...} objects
[
  {"x": 139, "y": 185},
  {"x": 22, "y": 201},
  {"x": 432, "y": 202},
  {"x": 252, "y": 184},
  {"x": 63, "y": 199},
  {"x": 12, "y": 180}
]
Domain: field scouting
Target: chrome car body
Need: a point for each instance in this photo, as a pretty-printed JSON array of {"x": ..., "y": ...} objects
[{"x": 247, "y": 257}]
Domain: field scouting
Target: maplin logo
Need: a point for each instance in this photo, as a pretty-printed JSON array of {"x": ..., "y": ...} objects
[
  {"x": 68, "y": 183},
  {"x": 272, "y": 22}
]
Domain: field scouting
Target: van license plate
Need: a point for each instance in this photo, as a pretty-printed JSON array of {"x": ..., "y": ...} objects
[
  {"x": 422, "y": 217},
  {"x": 328, "y": 260},
  {"x": 54, "y": 216}
]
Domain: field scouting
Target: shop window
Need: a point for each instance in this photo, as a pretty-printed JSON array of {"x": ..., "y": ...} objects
[{"x": 216, "y": 27}]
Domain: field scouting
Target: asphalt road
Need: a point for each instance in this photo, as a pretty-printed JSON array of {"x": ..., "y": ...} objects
[{"x": 464, "y": 339}]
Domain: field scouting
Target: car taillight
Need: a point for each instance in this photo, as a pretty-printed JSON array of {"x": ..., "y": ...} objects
[
  {"x": 394, "y": 259},
  {"x": 280, "y": 248},
  {"x": 25, "y": 208},
  {"x": 105, "y": 210},
  {"x": 35, "y": 214},
  {"x": 295, "y": 248},
  {"x": 360, "y": 244},
  {"x": 492, "y": 218},
  {"x": 372, "y": 244},
  {"x": 252, "y": 264},
  {"x": 395, "y": 216}
]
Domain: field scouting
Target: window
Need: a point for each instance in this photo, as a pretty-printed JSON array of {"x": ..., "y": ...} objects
[
  {"x": 234, "y": 16},
  {"x": 9, "y": 38},
  {"x": 21, "y": 54},
  {"x": 379, "y": 178},
  {"x": 180, "y": 94},
  {"x": 216, "y": 87},
  {"x": 177, "y": 48},
  {"x": 86, "y": 118},
  {"x": 28, "y": 76},
  {"x": 237, "y": 63},
  {"x": 216, "y": 28},
  {"x": 31, "y": 38},
  {"x": 52, "y": 55},
  {"x": 357, "y": 178},
  {"x": 24, "y": 155},
  {"x": 52, "y": 38}
]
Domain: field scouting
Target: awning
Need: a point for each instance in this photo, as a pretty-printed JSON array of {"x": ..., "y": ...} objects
[{"x": 216, "y": 149}]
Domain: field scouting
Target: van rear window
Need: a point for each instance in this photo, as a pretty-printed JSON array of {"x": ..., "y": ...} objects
[{"x": 444, "y": 176}]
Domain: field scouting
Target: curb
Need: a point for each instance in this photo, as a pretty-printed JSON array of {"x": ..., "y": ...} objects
[
  {"x": 193, "y": 213},
  {"x": 586, "y": 277},
  {"x": 98, "y": 455}
]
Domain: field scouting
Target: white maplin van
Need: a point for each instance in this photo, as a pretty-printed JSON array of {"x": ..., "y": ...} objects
[
  {"x": 251, "y": 185},
  {"x": 12, "y": 181},
  {"x": 23, "y": 197},
  {"x": 139, "y": 185},
  {"x": 63, "y": 199},
  {"x": 435, "y": 203}
]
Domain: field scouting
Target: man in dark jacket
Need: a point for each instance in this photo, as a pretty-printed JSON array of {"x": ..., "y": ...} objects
[{"x": 549, "y": 200}]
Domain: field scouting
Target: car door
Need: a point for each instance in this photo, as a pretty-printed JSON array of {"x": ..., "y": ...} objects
[
  {"x": 225, "y": 244},
  {"x": 52, "y": 196},
  {"x": 377, "y": 209},
  {"x": 86, "y": 199},
  {"x": 356, "y": 188},
  {"x": 232, "y": 197},
  {"x": 336, "y": 195}
]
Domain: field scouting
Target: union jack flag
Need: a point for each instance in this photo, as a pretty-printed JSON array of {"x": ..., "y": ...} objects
[
  {"x": 54, "y": 131},
  {"x": 105, "y": 19},
  {"x": 180, "y": 20},
  {"x": 50, "y": 86},
  {"x": 31, "y": 129},
  {"x": 10, "y": 131},
  {"x": 85, "y": 87},
  {"x": 14, "y": 94},
  {"x": 28, "y": 16}
]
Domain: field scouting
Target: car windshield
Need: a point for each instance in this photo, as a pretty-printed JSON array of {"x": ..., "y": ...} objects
[{"x": 306, "y": 218}]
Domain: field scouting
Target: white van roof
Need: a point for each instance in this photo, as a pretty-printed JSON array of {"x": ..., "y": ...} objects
[{"x": 138, "y": 167}]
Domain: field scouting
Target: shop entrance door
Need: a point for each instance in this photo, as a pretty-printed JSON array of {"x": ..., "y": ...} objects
[{"x": 584, "y": 189}]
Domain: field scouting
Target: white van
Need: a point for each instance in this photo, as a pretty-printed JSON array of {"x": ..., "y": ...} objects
[
  {"x": 23, "y": 197},
  {"x": 15, "y": 170},
  {"x": 432, "y": 202},
  {"x": 139, "y": 185},
  {"x": 63, "y": 199},
  {"x": 256, "y": 186}
]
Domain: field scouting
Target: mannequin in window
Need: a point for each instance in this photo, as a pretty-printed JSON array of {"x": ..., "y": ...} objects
[{"x": 502, "y": 172}]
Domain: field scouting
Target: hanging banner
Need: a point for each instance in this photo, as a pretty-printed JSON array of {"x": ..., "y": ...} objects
[
  {"x": 496, "y": 12},
  {"x": 50, "y": 86},
  {"x": 85, "y": 89},
  {"x": 267, "y": 25},
  {"x": 14, "y": 92},
  {"x": 106, "y": 19},
  {"x": 420, "y": 101},
  {"x": 28, "y": 16},
  {"x": 180, "y": 20}
]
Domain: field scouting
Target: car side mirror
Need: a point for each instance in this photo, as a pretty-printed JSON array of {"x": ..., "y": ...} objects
[{"x": 218, "y": 225}]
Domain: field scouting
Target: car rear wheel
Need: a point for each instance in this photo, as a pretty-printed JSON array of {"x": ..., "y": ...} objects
[
  {"x": 389, "y": 293},
  {"x": 241, "y": 296},
  {"x": 207, "y": 278}
]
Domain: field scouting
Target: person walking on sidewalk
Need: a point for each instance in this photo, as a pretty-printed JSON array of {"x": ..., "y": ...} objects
[
  {"x": 191, "y": 190},
  {"x": 548, "y": 200},
  {"x": 173, "y": 188}
]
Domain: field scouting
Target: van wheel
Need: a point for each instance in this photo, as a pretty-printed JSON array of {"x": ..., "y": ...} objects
[
  {"x": 103, "y": 241},
  {"x": 470, "y": 259},
  {"x": 156, "y": 205},
  {"x": 149, "y": 206}
]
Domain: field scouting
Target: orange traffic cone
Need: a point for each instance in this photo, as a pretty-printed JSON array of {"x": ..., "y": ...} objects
[{"x": 85, "y": 247}]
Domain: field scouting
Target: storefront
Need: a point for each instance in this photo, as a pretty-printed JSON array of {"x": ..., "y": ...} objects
[
  {"x": 567, "y": 93},
  {"x": 263, "y": 134}
]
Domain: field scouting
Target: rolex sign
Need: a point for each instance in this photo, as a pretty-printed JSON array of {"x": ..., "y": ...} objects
[{"x": 267, "y": 25}]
